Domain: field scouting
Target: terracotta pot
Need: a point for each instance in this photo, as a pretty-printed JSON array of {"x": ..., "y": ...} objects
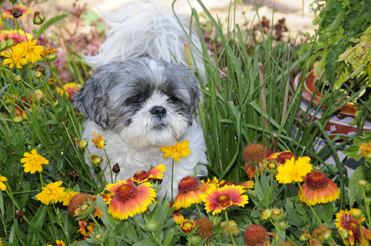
[{"x": 338, "y": 124}]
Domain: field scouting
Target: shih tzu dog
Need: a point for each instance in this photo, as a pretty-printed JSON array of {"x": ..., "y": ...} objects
[{"x": 142, "y": 96}]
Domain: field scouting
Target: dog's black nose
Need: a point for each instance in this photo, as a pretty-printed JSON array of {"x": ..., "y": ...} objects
[{"x": 158, "y": 110}]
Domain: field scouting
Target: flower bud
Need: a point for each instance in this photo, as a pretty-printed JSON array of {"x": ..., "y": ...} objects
[
  {"x": 277, "y": 214},
  {"x": 265, "y": 214},
  {"x": 97, "y": 169},
  {"x": 357, "y": 214},
  {"x": 362, "y": 183},
  {"x": 282, "y": 225},
  {"x": 96, "y": 159},
  {"x": 38, "y": 18},
  {"x": 344, "y": 234},
  {"x": 151, "y": 225},
  {"x": 17, "y": 78},
  {"x": 83, "y": 144},
  {"x": 23, "y": 62},
  {"x": 3, "y": 45},
  {"x": 51, "y": 57},
  {"x": 116, "y": 168},
  {"x": 10, "y": 42},
  {"x": 17, "y": 13},
  {"x": 305, "y": 236},
  {"x": 37, "y": 74},
  {"x": 19, "y": 214},
  {"x": 74, "y": 174},
  {"x": 17, "y": 119},
  {"x": 194, "y": 239}
]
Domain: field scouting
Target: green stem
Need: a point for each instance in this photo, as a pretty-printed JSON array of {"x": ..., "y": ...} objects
[
  {"x": 138, "y": 228},
  {"x": 41, "y": 180},
  {"x": 94, "y": 220},
  {"x": 60, "y": 224},
  {"x": 109, "y": 163},
  {"x": 229, "y": 228},
  {"x": 199, "y": 212},
  {"x": 367, "y": 207},
  {"x": 306, "y": 199},
  {"x": 281, "y": 232},
  {"x": 172, "y": 179},
  {"x": 115, "y": 177},
  {"x": 13, "y": 205},
  {"x": 271, "y": 193}
]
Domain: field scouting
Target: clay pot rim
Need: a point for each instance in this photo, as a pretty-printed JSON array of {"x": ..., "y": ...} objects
[{"x": 309, "y": 87}]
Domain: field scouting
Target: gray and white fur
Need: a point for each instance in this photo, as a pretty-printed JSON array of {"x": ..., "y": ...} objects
[{"x": 140, "y": 105}]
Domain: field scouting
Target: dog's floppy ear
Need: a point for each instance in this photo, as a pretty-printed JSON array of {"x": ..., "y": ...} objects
[
  {"x": 92, "y": 98},
  {"x": 194, "y": 87}
]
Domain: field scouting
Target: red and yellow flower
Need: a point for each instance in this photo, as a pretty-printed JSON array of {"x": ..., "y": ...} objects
[
  {"x": 248, "y": 185},
  {"x": 128, "y": 200},
  {"x": 190, "y": 191},
  {"x": 188, "y": 226},
  {"x": 318, "y": 188},
  {"x": 25, "y": 11},
  {"x": 154, "y": 173},
  {"x": 13, "y": 34},
  {"x": 178, "y": 217},
  {"x": 345, "y": 221},
  {"x": 217, "y": 200},
  {"x": 69, "y": 89}
]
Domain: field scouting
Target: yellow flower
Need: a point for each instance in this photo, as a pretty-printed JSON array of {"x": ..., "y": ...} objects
[
  {"x": 366, "y": 150},
  {"x": 12, "y": 58},
  {"x": 177, "y": 151},
  {"x": 98, "y": 141},
  {"x": 294, "y": 171},
  {"x": 67, "y": 196},
  {"x": 33, "y": 162},
  {"x": 60, "y": 243},
  {"x": 29, "y": 50},
  {"x": 51, "y": 192},
  {"x": 2, "y": 186}
]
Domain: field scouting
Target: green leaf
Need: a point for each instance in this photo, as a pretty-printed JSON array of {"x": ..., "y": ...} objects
[
  {"x": 353, "y": 152},
  {"x": 328, "y": 213},
  {"x": 25, "y": 196},
  {"x": 106, "y": 218},
  {"x": 1, "y": 202},
  {"x": 145, "y": 242},
  {"x": 354, "y": 190},
  {"x": 49, "y": 23}
]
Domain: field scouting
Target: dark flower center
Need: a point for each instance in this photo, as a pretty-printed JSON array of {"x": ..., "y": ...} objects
[
  {"x": 126, "y": 192},
  {"x": 223, "y": 200},
  {"x": 317, "y": 180},
  {"x": 142, "y": 175},
  {"x": 188, "y": 184}
]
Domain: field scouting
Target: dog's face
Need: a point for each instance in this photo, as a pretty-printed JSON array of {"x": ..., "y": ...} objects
[{"x": 146, "y": 101}]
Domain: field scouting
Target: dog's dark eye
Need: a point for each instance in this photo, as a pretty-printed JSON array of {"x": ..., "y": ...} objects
[
  {"x": 173, "y": 99},
  {"x": 136, "y": 99}
]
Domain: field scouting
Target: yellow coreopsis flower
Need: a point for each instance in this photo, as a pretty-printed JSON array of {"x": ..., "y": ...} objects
[
  {"x": 29, "y": 50},
  {"x": 177, "y": 151},
  {"x": 98, "y": 141},
  {"x": 51, "y": 192},
  {"x": 294, "y": 171},
  {"x": 12, "y": 59},
  {"x": 2, "y": 186},
  {"x": 60, "y": 243},
  {"x": 32, "y": 162},
  {"x": 67, "y": 196}
]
